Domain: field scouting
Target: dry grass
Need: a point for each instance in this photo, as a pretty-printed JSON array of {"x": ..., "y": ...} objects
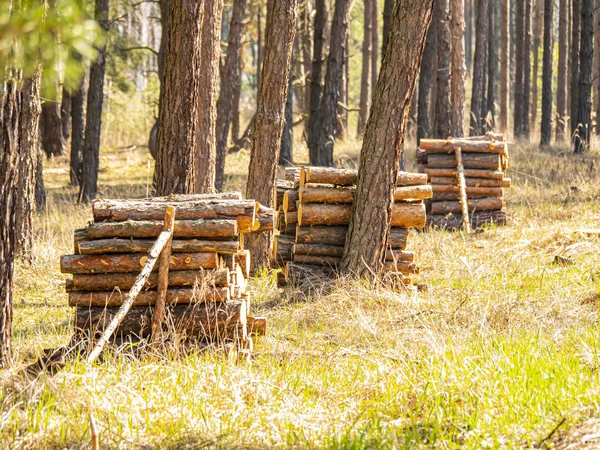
[{"x": 500, "y": 349}]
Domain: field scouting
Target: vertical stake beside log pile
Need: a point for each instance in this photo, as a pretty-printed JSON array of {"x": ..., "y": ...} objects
[
  {"x": 460, "y": 174},
  {"x": 163, "y": 239}
]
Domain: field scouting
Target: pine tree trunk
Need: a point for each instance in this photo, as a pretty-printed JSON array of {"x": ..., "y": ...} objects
[
  {"x": 586, "y": 58},
  {"x": 77, "y": 134},
  {"x": 562, "y": 82},
  {"x": 546, "y": 127},
  {"x": 504, "y": 65},
  {"x": 306, "y": 50},
  {"x": 235, "y": 108},
  {"x": 480, "y": 67},
  {"x": 316, "y": 80},
  {"x": 574, "y": 64},
  {"x": 333, "y": 80},
  {"x": 269, "y": 119},
  {"x": 596, "y": 75},
  {"x": 469, "y": 34},
  {"x": 457, "y": 26},
  {"x": 210, "y": 57},
  {"x": 51, "y": 129},
  {"x": 65, "y": 114},
  {"x": 425, "y": 77},
  {"x": 374, "y": 45},
  {"x": 444, "y": 57},
  {"x": 388, "y": 12},
  {"x": 538, "y": 22},
  {"x": 519, "y": 57},
  {"x": 371, "y": 211},
  {"x": 179, "y": 116},
  {"x": 526, "y": 69},
  {"x": 259, "y": 45},
  {"x": 365, "y": 80},
  {"x": 28, "y": 142},
  {"x": 287, "y": 140},
  {"x": 91, "y": 148},
  {"x": 40, "y": 190},
  {"x": 492, "y": 69},
  {"x": 228, "y": 81}
]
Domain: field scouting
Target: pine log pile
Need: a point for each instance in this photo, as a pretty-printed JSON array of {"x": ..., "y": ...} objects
[
  {"x": 313, "y": 211},
  {"x": 205, "y": 274},
  {"x": 484, "y": 164}
]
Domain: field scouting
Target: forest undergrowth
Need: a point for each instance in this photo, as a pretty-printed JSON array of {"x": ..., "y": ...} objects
[{"x": 500, "y": 350}]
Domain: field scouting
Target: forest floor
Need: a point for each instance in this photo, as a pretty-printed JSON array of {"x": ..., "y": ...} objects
[{"x": 501, "y": 351}]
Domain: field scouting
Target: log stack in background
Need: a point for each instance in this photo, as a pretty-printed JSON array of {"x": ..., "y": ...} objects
[
  {"x": 206, "y": 294},
  {"x": 316, "y": 208},
  {"x": 485, "y": 160}
]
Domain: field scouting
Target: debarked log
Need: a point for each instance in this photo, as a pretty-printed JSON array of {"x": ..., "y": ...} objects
[
  {"x": 481, "y": 204},
  {"x": 152, "y": 228},
  {"x": 148, "y": 298}
]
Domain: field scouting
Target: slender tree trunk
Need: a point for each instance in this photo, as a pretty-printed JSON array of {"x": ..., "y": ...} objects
[
  {"x": 259, "y": 44},
  {"x": 596, "y": 76},
  {"x": 51, "y": 129},
  {"x": 333, "y": 79},
  {"x": 269, "y": 119},
  {"x": 235, "y": 109},
  {"x": 91, "y": 148},
  {"x": 306, "y": 50},
  {"x": 469, "y": 34},
  {"x": 504, "y": 64},
  {"x": 480, "y": 68},
  {"x": 228, "y": 80},
  {"x": 527, "y": 70},
  {"x": 562, "y": 82},
  {"x": 40, "y": 190},
  {"x": 457, "y": 25},
  {"x": 444, "y": 82},
  {"x": 586, "y": 58},
  {"x": 537, "y": 43},
  {"x": 519, "y": 66},
  {"x": 365, "y": 81},
  {"x": 175, "y": 171},
  {"x": 77, "y": 134},
  {"x": 569, "y": 119},
  {"x": 210, "y": 57},
  {"x": 388, "y": 12},
  {"x": 574, "y": 63},
  {"x": 287, "y": 140},
  {"x": 28, "y": 142},
  {"x": 374, "y": 45},
  {"x": 65, "y": 114},
  {"x": 492, "y": 69},
  {"x": 384, "y": 137},
  {"x": 425, "y": 75},
  {"x": 316, "y": 80},
  {"x": 546, "y": 127}
]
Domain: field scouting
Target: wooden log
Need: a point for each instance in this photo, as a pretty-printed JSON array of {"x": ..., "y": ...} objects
[
  {"x": 191, "y": 197},
  {"x": 331, "y": 261},
  {"x": 173, "y": 297},
  {"x": 346, "y": 194},
  {"x": 399, "y": 256},
  {"x": 462, "y": 186},
  {"x": 228, "y": 262},
  {"x": 125, "y": 263},
  {"x": 283, "y": 243},
  {"x": 401, "y": 267},
  {"x": 489, "y": 136},
  {"x": 243, "y": 211},
  {"x": 291, "y": 217},
  {"x": 264, "y": 220},
  {"x": 472, "y": 182},
  {"x": 478, "y": 219},
  {"x": 433, "y": 146},
  {"x": 243, "y": 258},
  {"x": 480, "y": 204},
  {"x": 480, "y": 191},
  {"x": 121, "y": 245},
  {"x": 257, "y": 325},
  {"x": 407, "y": 215},
  {"x": 452, "y": 196},
  {"x": 488, "y": 161},
  {"x": 349, "y": 177},
  {"x": 336, "y": 235},
  {"x": 335, "y": 251},
  {"x": 151, "y": 229},
  {"x": 289, "y": 200},
  {"x": 200, "y": 320},
  {"x": 80, "y": 235},
  {"x": 124, "y": 281},
  {"x": 469, "y": 173},
  {"x": 292, "y": 173}
]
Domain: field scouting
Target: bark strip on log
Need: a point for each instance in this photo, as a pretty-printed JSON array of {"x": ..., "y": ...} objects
[
  {"x": 149, "y": 298},
  {"x": 151, "y": 229},
  {"x": 121, "y": 245}
]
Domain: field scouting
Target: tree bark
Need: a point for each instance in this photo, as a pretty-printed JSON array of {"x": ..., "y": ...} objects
[
  {"x": 51, "y": 129},
  {"x": 269, "y": 119},
  {"x": 65, "y": 114},
  {"x": 333, "y": 80},
  {"x": 425, "y": 77},
  {"x": 228, "y": 81},
  {"x": 527, "y": 69},
  {"x": 519, "y": 67},
  {"x": 546, "y": 127},
  {"x": 443, "y": 106},
  {"x": 365, "y": 80},
  {"x": 374, "y": 45},
  {"x": 586, "y": 58},
  {"x": 504, "y": 64},
  {"x": 371, "y": 212},
  {"x": 179, "y": 117},
  {"x": 490, "y": 109},
  {"x": 388, "y": 12},
  {"x": 596, "y": 75},
  {"x": 91, "y": 149},
  {"x": 457, "y": 26},
  {"x": 40, "y": 190},
  {"x": 562, "y": 82},
  {"x": 287, "y": 140},
  {"x": 210, "y": 58},
  {"x": 574, "y": 64},
  {"x": 77, "y": 134},
  {"x": 538, "y": 22},
  {"x": 480, "y": 67}
]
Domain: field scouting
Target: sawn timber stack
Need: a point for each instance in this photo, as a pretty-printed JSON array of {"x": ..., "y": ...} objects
[
  {"x": 207, "y": 269},
  {"x": 314, "y": 213},
  {"x": 485, "y": 161}
]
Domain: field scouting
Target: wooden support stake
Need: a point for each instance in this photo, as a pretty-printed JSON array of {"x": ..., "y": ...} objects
[
  {"x": 163, "y": 238},
  {"x": 163, "y": 276},
  {"x": 460, "y": 174}
]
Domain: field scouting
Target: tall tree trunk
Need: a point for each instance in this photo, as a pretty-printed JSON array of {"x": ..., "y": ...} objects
[
  {"x": 569, "y": 65},
  {"x": 527, "y": 69},
  {"x": 77, "y": 133},
  {"x": 235, "y": 108},
  {"x": 333, "y": 79},
  {"x": 492, "y": 69},
  {"x": 287, "y": 140},
  {"x": 388, "y": 12},
  {"x": 574, "y": 63},
  {"x": 374, "y": 45},
  {"x": 40, "y": 190},
  {"x": 562, "y": 82},
  {"x": 210, "y": 58},
  {"x": 269, "y": 119},
  {"x": 469, "y": 4},
  {"x": 596, "y": 76},
  {"x": 425, "y": 76},
  {"x": 444, "y": 58},
  {"x": 546, "y": 127},
  {"x": 586, "y": 58},
  {"x": 65, "y": 114},
  {"x": 51, "y": 129},
  {"x": 384, "y": 137},
  {"x": 538, "y": 21},
  {"x": 457, "y": 25},
  {"x": 504, "y": 65},
  {"x": 91, "y": 147},
  {"x": 175, "y": 171},
  {"x": 480, "y": 68},
  {"x": 316, "y": 80},
  {"x": 27, "y": 166},
  {"x": 259, "y": 63},
  {"x": 519, "y": 67},
  {"x": 365, "y": 80},
  {"x": 228, "y": 80}
]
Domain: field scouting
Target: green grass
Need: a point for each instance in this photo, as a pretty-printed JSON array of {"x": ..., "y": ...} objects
[{"x": 500, "y": 349}]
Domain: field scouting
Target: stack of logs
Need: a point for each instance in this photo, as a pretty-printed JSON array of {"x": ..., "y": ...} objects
[
  {"x": 208, "y": 266},
  {"x": 314, "y": 206},
  {"x": 485, "y": 160}
]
